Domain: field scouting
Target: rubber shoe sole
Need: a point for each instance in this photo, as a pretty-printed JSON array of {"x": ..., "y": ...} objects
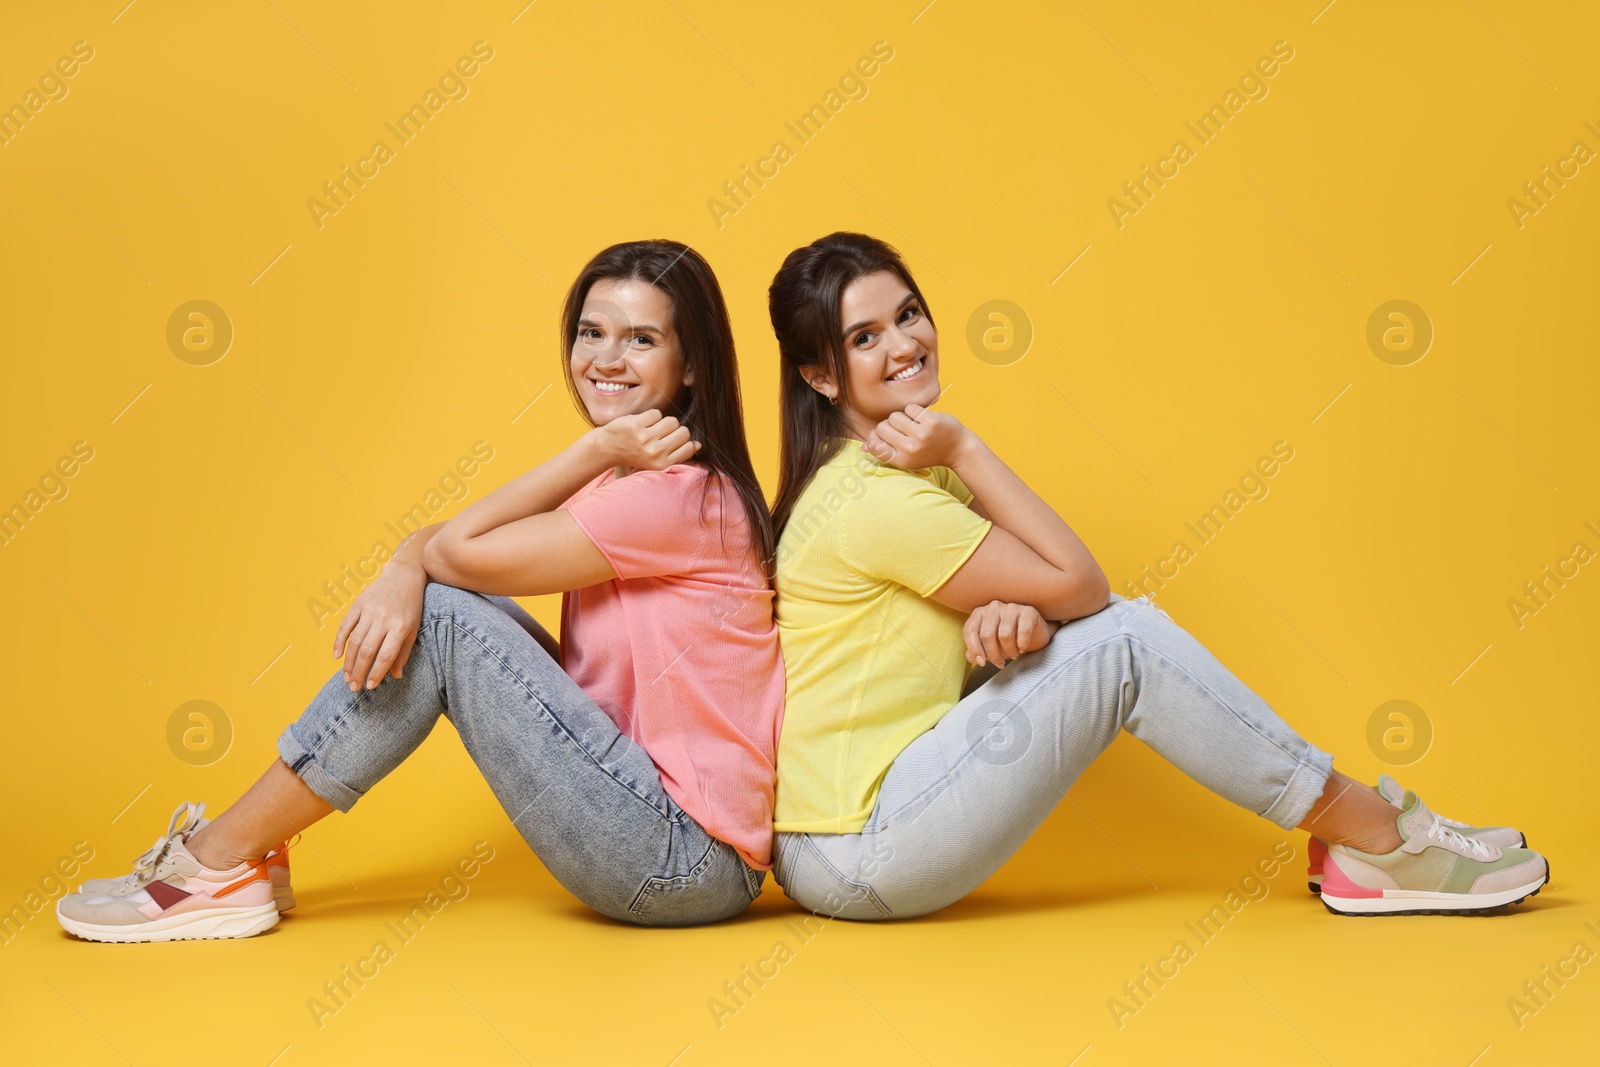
[
  {"x": 212, "y": 923},
  {"x": 1317, "y": 855},
  {"x": 1416, "y": 901}
]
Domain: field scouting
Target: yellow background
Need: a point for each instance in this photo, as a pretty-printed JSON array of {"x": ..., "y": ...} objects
[{"x": 1227, "y": 314}]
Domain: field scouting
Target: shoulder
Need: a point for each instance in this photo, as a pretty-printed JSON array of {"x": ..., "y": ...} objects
[
  {"x": 664, "y": 494},
  {"x": 667, "y": 483}
]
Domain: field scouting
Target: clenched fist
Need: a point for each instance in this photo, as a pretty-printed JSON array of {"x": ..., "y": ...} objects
[
  {"x": 917, "y": 438},
  {"x": 645, "y": 441},
  {"x": 998, "y": 632}
]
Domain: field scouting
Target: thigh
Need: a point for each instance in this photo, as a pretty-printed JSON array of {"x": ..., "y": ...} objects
[
  {"x": 586, "y": 798},
  {"x": 520, "y": 616},
  {"x": 964, "y": 796}
]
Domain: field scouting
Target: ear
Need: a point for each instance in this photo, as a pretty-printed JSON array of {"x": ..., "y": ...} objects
[
  {"x": 819, "y": 380},
  {"x": 688, "y": 375}
]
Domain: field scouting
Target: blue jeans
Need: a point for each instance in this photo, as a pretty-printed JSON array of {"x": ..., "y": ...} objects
[
  {"x": 965, "y": 795},
  {"x": 585, "y": 798}
]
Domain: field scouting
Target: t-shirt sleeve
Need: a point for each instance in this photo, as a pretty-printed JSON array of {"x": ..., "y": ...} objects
[
  {"x": 647, "y": 523},
  {"x": 953, "y": 483},
  {"x": 911, "y": 530}
]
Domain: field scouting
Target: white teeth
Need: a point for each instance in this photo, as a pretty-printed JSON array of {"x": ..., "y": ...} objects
[
  {"x": 612, "y": 387},
  {"x": 908, "y": 372}
]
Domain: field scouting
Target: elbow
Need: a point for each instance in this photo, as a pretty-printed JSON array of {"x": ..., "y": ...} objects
[
  {"x": 438, "y": 560},
  {"x": 1098, "y": 590},
  {"x": 1080, "y": 594}
]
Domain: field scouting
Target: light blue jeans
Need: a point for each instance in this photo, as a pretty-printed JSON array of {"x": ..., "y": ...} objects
[
  {"x": 585, "y": 798},
  {"x": 965, "y": 795}
]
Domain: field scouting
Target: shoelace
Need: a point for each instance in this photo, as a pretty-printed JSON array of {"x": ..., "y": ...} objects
[
  {"x": 144, "y": 868},
  {"x": 1450, "y": 837}
]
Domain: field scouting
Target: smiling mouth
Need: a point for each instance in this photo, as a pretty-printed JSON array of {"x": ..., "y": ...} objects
[
  {"x": 611, "y": 388},
  {"x": 908, "y": 373}
]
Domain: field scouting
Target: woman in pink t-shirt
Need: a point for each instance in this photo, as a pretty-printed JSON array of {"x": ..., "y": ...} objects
[{"x": 635, "y": 756}]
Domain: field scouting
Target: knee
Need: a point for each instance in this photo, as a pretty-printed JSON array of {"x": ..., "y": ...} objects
[
  {"x": 1087, "y": 629},
  {"x": 1148, "y": 601},
  {"x": 440, "y": 600}
]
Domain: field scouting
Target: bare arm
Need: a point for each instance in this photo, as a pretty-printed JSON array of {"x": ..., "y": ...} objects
[
  {"x": 515, "y": 541},
  {"x": 1031, "y": 556},
  {"x": 512, "y": 542}
]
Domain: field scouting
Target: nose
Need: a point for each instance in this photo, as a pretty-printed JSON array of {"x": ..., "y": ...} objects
[
  {"x": 902, "y": 345},
  {"x": 609, "y": 356}
]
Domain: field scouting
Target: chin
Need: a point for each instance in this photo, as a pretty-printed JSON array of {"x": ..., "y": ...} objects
[
  {"x": 924, "y": 397},
  {"x": 600, "y": 418}
]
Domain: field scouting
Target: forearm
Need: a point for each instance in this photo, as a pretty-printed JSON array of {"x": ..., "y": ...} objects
[
  {"x": 540, "y": 490},
  {"x": 1018, "y": 510}
]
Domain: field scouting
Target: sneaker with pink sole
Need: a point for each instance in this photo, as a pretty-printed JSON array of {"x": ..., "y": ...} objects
[
  {"x": 1393, "y": 792},
  {"x": 1435, "y": 871}
]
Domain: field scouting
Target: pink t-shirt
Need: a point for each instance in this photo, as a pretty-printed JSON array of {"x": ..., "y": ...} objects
[{"x": 680, "y": 649}]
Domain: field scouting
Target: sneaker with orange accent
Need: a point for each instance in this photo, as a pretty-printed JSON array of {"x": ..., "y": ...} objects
[
  {"x": 185, "y": 821},
  {"x": 1394, "y": 793},
  {"x": 171, "y": 896},
  {"x": 277, "y": 862}
]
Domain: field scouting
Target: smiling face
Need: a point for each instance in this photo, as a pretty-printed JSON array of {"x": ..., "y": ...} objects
[
  {"x": 891, "y": 351},
  {"x": 626, "y": 357}
]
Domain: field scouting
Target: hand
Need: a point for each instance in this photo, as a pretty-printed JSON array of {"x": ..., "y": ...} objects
[
  {"x": 916, "y": 438},
  {"x": 998, "y": 632},
  {"x": 645, "y": 441},
  {"x": 381, "y": 626}
]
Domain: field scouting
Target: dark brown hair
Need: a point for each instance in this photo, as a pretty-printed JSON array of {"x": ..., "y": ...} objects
[
  {"x": 714, "y": 411},
  {"x": 804, "y": 304}
]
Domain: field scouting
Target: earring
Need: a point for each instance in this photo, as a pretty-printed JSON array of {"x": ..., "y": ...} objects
[{"x": 833, "y": 400}]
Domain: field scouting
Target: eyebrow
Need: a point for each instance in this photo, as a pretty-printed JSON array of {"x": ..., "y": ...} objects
[
  {"x": 586, "y": 321},
  {"x": 910, "y": 298}
]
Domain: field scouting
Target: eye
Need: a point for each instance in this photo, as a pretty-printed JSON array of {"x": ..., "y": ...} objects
[
  {"x": 645, "y": 338},
  {"x": 589, "y": 333},
  {"x": 861, "y": 337},
  {"x": 911, "y": 312}
]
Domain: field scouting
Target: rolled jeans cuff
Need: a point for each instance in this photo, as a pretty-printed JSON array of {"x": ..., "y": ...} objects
[
  {"x": 1306, "y": 784},
  {"x": 316, "y": 777}
]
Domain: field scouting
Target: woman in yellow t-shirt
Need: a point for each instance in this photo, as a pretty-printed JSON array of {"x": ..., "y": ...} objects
[{"x": 909, "y": 553}]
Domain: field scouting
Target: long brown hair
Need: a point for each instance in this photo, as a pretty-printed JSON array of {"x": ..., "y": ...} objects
[
  {"x": 714, "y": 412},
  {"x": 804, "y": 304}
]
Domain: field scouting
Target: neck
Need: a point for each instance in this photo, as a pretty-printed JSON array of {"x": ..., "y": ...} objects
[{"x": 857, "y": 426}]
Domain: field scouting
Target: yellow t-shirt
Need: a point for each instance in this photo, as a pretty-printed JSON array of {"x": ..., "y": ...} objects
[{"x": 870, "y": 663}]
